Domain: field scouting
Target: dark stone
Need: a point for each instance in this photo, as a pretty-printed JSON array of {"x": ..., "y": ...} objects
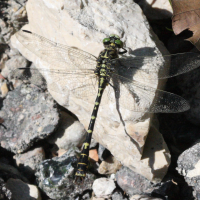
[
  {"x": 56, "y": 177},
  {"x": 103, "y": 152},
  {"x": 133, "y": 183}
]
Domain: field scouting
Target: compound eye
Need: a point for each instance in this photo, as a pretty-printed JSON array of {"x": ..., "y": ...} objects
[
  {"x": 117, "y": 37},
  {"x": 106, "y": 41},
  {"x": 119, "y": 43},
  {"x": 112, "y": 36}
]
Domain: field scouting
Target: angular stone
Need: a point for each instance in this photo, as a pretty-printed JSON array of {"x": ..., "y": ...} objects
[
  {"x": 189, "y": 167},
  {"x": 132, "y": 183},
  {"x": 77, "y": 24},
  {"x": 29, "y": 161},
  {"x": 103, "y": 187},
  {"x": 109, "y": 166},
  {"x": 56, "y": 177},
  {"x": 70, "y": 133},
  {"x": 28, "y": 116},
  {"x": 21, "y": 190}
]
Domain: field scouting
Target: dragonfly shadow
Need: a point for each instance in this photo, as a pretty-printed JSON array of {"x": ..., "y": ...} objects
[
  {"x": 30, "y": 75},
  {"x": 125, "y": 75},
  {"x": 126, "y": 72}
]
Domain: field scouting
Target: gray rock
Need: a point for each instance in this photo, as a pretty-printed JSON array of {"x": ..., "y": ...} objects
[
  {"x": 27, "y": 162},
  {"x": 117, "y": 195},
  {"x": 14, "y": 16},
  {"x": 103, "y": 187},
  {"x": 133, "y": 183},
  {"x": 29, "y": 75},
  {"x": 12, "y": 64},
  {"x": 143, "y": 197},
  {"x": 22, "y": 191},
  {"x": 56, "y": 177},
  {"x": 110, "y": 166},
  {"x": 70, "y": 133},
  {"x": 28, "y": 116},
  {"x": 189, "y": 167}
]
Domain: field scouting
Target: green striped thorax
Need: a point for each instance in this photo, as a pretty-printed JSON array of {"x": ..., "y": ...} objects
[{"x": 112, "y": 44}]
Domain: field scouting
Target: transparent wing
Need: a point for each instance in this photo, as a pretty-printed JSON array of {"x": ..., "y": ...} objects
[
  {"x": 136, "y": 96},
  {"x": 165, "y": 65},
  {"x": 82, "y": 83},
  {"x": 58, "y": 55}
]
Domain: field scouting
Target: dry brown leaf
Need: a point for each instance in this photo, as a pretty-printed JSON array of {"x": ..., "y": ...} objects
[{"x": 187, "y": 16}]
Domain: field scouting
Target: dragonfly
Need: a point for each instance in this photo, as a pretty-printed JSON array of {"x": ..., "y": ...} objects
[{"x": 85, "y": 75}]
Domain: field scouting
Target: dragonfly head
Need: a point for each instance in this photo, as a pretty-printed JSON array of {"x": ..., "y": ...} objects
[{"x": 114, "y": 40}]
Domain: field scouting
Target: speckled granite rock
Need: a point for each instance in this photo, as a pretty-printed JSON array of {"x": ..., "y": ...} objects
[
  {"x": 133, "y": 183},
  {"x": 189, "y": 167},
  {"x": 28, "y": 116}
]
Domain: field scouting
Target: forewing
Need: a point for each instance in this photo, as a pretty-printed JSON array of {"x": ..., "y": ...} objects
[
  {"x": 58, "y": 55},
  {"x": 158, "y": 66}
]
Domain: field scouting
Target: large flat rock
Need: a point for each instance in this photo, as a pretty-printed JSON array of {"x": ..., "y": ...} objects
[{"x": 84, "y": 24}]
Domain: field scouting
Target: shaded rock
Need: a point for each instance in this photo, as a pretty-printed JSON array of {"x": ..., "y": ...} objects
[
  {"x": 178, "y": 43},
  {"x": 30, "y": 75},
  {"x": 56, "y": 177},
  {"x": 12, "y": 64},
  {"x": 144, "y": 197},
  {"x": 103, "y": 152},
  {"x": 7, "y": 171},
  {"x": 70, "y": 133},
  {"x": 5, "y": 193},
  {"x": 109, "y": 166},
  {"x": 189, "y": 167},
  {"x": 87, "y": 195},
  {"x": 133, "y": 183},
  {"x": 28, "y": 162},
  {"x": 118, "y": 195},
  {"x": 28, "y": 116},
  {"x": 13, "y": 18},
  {"x": 189, "y": 85},
  {"x": 22, "y": 191},
  {"x": 156, "y": 10},
  {"x": 103, "y": 187},
  {"x": 169, "y": 189}
]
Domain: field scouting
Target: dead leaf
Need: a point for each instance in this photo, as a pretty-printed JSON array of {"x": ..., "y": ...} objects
[{"x": 187, "y": 16}]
